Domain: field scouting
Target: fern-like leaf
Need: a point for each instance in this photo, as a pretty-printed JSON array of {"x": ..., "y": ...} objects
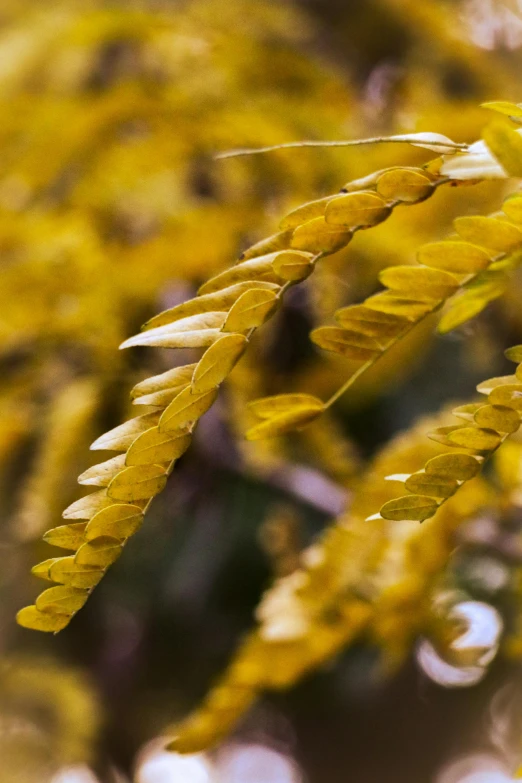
[{"x": 221, "y": 320}]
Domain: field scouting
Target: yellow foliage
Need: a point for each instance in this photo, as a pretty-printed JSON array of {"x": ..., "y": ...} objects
[{"x": 115, "y": 209}]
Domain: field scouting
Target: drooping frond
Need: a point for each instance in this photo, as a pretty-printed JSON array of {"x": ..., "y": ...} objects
[
  {"x": 466, "y": 271},
  {"x": 370, "y": 575},
  {"x": 486, "y": 427},
  {"x": 222, "y": 321},
  {"x": 362, "y": 574}
]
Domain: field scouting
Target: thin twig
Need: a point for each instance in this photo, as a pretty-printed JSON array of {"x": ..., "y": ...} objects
[{"x": 443, "y": 145}]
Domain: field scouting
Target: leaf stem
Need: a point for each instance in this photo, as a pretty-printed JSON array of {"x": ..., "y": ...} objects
[{"x": 366, "y": 366}]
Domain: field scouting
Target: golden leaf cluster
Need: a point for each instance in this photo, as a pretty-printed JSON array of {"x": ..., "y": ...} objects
[{"x": 113, "y": 208}]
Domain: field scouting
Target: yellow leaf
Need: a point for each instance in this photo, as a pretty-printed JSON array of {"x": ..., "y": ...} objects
[
  {"x": 266, "y": 407},
  {"x": 461, "y": 467},
  {"x": 436, "y": 142},
  {"x": 363, "y": 183},
  {"x": 293, "y": 265},
  {"x": 475, "y": 164},
  {"x": 316, "y": 236},
  {"x": 371, "y": 322},
  {"x": 67, "y": 536},
  {"x": 255, "y": 269},
  {"x": 88, "y": 506},
  {"x": 419, "y": 282},
  {"x": 509, "y": 394},
  {"x": 305, "y": 212},
  {"x": 207, "y": 320},
  {"x": 458, "y": 257},
  {"x": 172, "y": 379},
  {"x": 504, "y": 107},
  {"x": 514, "y": 354},
  {"x": 155, "y": 447},
  {"x": 42, "y": 570},
  {"x": 469, "y": 304},
  {"x": 196, "y": 331},
  {"x": 160, "y": 399},
  {"x": 66, "y": 571},
  {"x": 460, "y": 312},
  {"x": 30, "y": 617},
  {"x": 386, "y": 302},
  {"x": 284, "y": 422},
  {"x": 467, "y": 412},
  {"x": 119, "y": 521},
  {"x": 498, "y": 417},
  {"x": 431, "y": 484},
  {"x": 441, "y": 434},
  {"x": 215, "y": 302},
  {"x": 512, "y": 207},
  {"x": 475, "y": 438},
  {"x": 405, "y": 185},
  {"x": 410, "y": 507},
  {"x": 101, "y": 475},
  {"x": 506, "y": 145},
  {"x": 62, "y": 599},
  {"x": 503, "y": 380},
  {"x": 357, "y": 210},
  {"x": 138, "y": 482},
  {"x": 353, "y": 345},
  {"x": 121, "y": 437},
  {"x": 251, "y": 310},
  {"x": 185, "y": 409},
  {"x": 279, "y": 241},
  {"x": 489, "y": 232},
  {"x": 217, "y": 362},
  {"x": 100, "y": 553}
]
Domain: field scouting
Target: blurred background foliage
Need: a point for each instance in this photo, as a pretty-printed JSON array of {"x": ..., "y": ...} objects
[{"x": 111, "y": 209}]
